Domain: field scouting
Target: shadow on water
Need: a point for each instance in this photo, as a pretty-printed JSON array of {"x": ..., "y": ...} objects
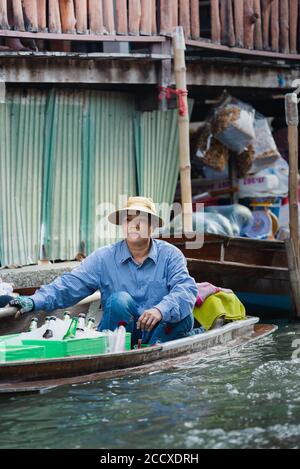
[{"x": 250, "y": 398}]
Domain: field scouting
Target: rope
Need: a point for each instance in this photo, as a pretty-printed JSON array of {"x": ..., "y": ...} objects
[{"x": 181, "y": 94}]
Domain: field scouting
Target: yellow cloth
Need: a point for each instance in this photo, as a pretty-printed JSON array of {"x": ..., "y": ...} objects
[{"x": 226, "y": 305}]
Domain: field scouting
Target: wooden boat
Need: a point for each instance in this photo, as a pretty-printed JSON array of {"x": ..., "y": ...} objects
[
  {"x": 257, "y": 271},
  {"x": 43, "y": 374}
]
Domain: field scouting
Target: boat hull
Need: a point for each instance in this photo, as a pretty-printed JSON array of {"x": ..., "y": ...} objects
[{"x": 43, "y": 374}]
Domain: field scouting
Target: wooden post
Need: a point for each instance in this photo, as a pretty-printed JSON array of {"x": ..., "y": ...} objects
[
  {"x": 67, "y": 14},
  {"x": 42, "y": 15},
  {"x": 166, "y": 15},
  {"x": 215, "y": 22},
  {"x": 154, "y": 20},
  {"x": 292, "y": 119},
  {"x": 195, "y": 19},
  {"x": 3, "y": 15},
  {"x": 108, "y": 17},
  {"x": 249, "y": 21},
  {"x": 174, "y": 13},
  {"x": 184, "y": 131},
  {"x": 239, "y": 22},
  {"x": 121, "y": 17},
  {"x": 294, "y": 271},
  {"x": 275, "y": 25},
  {"x": 81, "y": 16},
  {"x": 294, "y": 12},
  {"x": 18, "y": 20},
  {"x": 284, "y": 26},
  {"x": 134, "y": 17},
  {"x": 266, "y": 15},
  {"x": 230, "y": 23},
  {"x": 146, "y": 17},
  {"x": 30, "y": 15},
  {"x": 185, "y": 17},
  {"x": 96, "y": 17},
  {"x": 54, "y": 17},
  {"x": 258, "y": 41}
]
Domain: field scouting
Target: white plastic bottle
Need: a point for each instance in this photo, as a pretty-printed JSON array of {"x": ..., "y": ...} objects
[{"x": 120, "y": 340}]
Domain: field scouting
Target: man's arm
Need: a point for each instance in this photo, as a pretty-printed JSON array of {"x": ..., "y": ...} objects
[
  {"x": 71, "y": 287},
  {"x": 179, "y": 303}
]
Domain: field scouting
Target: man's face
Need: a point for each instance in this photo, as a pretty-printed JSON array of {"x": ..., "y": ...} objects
[{"x": 136, "y": 227}]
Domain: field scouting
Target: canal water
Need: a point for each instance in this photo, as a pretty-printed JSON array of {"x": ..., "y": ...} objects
[{"x": 248, "y": 399}]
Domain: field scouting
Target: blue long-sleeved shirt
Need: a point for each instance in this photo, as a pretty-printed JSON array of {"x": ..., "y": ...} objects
[{"x": 162, "y": 281}]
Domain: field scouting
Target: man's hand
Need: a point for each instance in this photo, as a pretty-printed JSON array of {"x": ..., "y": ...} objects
[
  {"x": 149, "y": 319},
  {"x": 24, "y": 304}
]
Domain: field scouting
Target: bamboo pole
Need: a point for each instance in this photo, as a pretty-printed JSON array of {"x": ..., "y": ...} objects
[
  {"x": 134, "y": 17},
  {"x": 294, "y": 12},
  {"x": 18, "y": 20},
  {"x": 292, "y": 119},
  {"x": 239, "y": 22},
  {"x": 3, "y": 15},
  {"x": 42, "y": 16},
  {"x": 108, "y": 17},
  {"x": 184, "y": 131},
  {"x": 284, "y": 27},
  {"x": 81, "y": 10},
  {"x": 195, "y": 19},
  {"x": 67, "y": 15},
  {"x": 54, "y": 17},
  {"x": 185, "y": 17},
  {"x": 215, "y": 22},
  {"x": 96, "y": 17},
  {"x": 146, "y": 17}
]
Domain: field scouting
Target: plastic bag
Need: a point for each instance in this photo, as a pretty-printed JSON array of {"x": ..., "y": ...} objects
[
  {"x": 269, "y": 182},
  {"x": 238, "y": 216},
  {"x": 233, "y": 124},
  {"x": 263, "y": 147},
  {"x": 211, "y": 152}
]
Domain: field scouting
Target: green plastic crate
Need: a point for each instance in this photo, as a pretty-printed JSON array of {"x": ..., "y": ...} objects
[
  {"x": 53, "y": 348},
  {"x": 15, "y": 353},
  {"x": 95, "y": 346}
]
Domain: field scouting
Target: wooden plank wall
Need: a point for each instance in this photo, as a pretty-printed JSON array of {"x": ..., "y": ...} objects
[
  {"x": 271, "y": 25},
  {"x": 253, "y": 24}
]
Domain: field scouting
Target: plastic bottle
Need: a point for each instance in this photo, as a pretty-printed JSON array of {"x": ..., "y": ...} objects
[
  {"x": 50, "y": 332},
  {"x": 67, "y": 316},
  {"x": 81, "y": 322},
  {"x": 91, "y": 324},
  {"x": 120, "y": 340},
  {"x": 33, "y": 324}
]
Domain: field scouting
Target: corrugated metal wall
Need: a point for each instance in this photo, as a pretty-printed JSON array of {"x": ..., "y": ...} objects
[{"x": 66, "y": 159}]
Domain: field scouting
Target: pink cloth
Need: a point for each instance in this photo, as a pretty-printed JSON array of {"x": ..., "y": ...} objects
[{"x": 206, "y": 289}]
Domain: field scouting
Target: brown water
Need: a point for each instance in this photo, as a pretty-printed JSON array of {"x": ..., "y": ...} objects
[{"x": 249, "y": 399}]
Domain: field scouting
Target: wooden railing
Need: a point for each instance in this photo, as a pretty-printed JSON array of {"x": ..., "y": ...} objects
[{"x": 262, "y": 25}]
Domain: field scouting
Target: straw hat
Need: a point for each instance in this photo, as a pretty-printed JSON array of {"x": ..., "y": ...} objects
[{"x": 136, "y": 204}]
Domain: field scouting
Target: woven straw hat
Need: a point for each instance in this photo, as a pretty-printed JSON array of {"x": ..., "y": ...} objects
[{"x": 136, "y": 204}]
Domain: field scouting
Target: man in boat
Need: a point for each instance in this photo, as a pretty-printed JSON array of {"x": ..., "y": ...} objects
[{"x": 144, "y": 282}]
